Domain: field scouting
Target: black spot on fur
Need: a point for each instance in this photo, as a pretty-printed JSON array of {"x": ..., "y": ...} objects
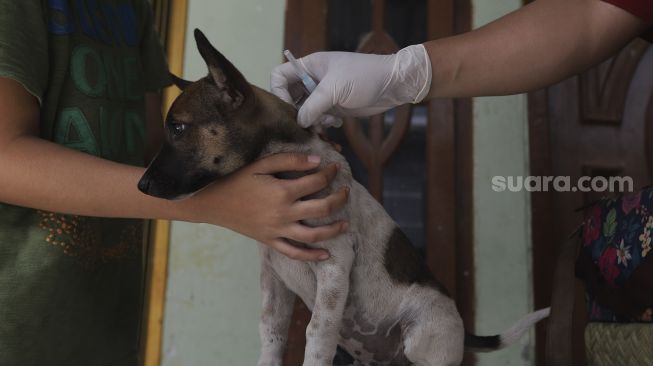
[
  {"x": 213, "y": 132},
  {"x": 405, "y": 265},
  {"x": 216, "y": 160},
  {"x": 342, "y": 358},
  {"x": 479, "y": 343}
]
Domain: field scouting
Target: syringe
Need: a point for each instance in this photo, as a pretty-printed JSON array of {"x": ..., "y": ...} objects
[{"x": 308, "y": 82}]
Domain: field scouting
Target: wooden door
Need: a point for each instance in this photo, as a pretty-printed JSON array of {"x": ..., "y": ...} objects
[
  {"x": 599, "y": 123},
  {"x": 415, "y": 159}
]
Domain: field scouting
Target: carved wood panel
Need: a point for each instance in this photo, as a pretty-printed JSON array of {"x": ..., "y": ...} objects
[
  {"x": 595, "y": 124},
  {"x": 603, "y": 88},
  {"x": 375, "y": 149}
]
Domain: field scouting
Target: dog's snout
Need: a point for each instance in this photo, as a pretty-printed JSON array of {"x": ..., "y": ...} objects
[
  {"x": 144, "y": 184},
  {"x": 156, "y": 183}
]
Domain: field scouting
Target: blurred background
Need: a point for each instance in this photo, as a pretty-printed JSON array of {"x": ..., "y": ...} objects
[{"x": 431, "y": 165}]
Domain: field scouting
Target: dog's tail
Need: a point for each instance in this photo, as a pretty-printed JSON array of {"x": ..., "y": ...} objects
[{"x": 474, "y": 343}]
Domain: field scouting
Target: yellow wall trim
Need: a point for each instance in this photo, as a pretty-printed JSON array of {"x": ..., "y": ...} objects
[
  {"x": 156, "y": 289},
  {"x": 160, "y": 229}
]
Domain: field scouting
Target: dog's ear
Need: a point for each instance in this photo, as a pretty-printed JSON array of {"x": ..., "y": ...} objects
[
  {"x": 179, "y": 82},
  {"x": 232, "y": 86}
]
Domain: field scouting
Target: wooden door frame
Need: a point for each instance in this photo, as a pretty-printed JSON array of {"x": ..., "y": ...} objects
[
  {"x": 170, "y": 20},
  {"x": 449, "y": 164},
  {"x": 542, "y": 236}
]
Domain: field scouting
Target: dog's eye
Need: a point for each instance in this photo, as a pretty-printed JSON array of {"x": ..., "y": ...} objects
[{"x": 177, "y": 128}]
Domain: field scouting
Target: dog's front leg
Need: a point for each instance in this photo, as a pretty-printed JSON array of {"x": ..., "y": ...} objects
[
  {"x": 323, "y": 331},
  {"x": 278, "y": 302}
]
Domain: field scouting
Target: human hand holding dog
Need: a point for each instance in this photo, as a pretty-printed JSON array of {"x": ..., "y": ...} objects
[
  {"x": 256, "y": 204},
  {"x": 250, "y": 201}
]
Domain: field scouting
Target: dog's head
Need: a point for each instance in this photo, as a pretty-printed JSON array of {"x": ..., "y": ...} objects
[{"x": 217, "y": 125}]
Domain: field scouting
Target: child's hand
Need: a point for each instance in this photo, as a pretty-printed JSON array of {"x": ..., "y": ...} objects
[{"x": 256, "y": 204}]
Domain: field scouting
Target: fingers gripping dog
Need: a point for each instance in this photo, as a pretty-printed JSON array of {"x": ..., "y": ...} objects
[{"x": 374, "y": 297}]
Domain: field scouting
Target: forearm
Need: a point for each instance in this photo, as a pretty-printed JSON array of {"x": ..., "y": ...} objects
[
  {"x": 535, "y": 46},
  {"x": 40, "y": 174}
]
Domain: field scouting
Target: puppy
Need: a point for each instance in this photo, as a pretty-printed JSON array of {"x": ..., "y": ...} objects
[{"x": 374, "y": 297}]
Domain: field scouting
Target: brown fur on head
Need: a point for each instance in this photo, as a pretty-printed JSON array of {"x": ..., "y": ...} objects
[{"x": 217, "y": 125}]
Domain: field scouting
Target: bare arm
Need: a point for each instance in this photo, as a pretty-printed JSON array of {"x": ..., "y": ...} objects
[
  {"x": 535, "y": 46},
  {"x": 40, "y": 174}
]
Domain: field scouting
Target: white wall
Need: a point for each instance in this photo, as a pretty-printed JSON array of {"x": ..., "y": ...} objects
[
  {"x": 212, "y": 299},
  {"x": 502, "y": 248}
]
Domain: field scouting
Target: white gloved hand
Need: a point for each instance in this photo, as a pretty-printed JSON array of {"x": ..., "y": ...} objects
[{"x": 355, "y": 84}]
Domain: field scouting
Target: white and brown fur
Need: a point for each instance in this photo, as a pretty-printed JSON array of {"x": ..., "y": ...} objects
[{"x": 374, "y": 296}]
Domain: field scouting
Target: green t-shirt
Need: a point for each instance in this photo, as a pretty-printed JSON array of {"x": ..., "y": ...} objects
[{"x": 71, "y": 287}]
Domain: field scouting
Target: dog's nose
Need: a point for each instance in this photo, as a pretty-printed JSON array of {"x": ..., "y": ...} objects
[{"x": 144, "y": 184}]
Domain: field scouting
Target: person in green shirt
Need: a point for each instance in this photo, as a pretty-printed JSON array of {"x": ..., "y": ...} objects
[{"x": 79, "y": 118}]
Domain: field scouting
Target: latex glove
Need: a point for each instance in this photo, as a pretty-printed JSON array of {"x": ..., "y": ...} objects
[{"x": 355, "y": 84}]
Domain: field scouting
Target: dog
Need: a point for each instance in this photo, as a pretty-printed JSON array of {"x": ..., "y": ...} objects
[{"x": 374, "y": 296}]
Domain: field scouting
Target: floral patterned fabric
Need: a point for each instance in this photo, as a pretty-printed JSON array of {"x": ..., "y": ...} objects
[{"x": 615, "y": 258}]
